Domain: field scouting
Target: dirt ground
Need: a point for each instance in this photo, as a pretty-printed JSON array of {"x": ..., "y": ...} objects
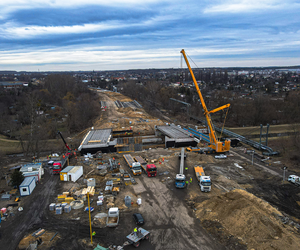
[
  {"x": 249, "y": 207},
  {"x": 125, "y": 118}
]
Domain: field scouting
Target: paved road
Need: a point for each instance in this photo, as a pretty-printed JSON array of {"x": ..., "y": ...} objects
[{"x": 245, "y": 157}]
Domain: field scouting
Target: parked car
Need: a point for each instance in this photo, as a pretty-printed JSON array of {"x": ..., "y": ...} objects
[
  {"x": 138, "y": 218},
  {"x": 221, "y": 156}
]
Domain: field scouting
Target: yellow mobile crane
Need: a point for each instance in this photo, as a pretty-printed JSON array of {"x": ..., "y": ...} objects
[{"x": 215, "y": 144}]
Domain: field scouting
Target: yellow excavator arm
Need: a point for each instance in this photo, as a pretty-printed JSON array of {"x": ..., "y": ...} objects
[{"x": 215, "y": 144}]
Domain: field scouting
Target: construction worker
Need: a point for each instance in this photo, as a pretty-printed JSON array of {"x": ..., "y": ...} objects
[
  {"x": 135, "y": 231},
  {"x": 93, "y": 233},
  {"x": 187, "y": 183},
  {"x": 186, "y": 168},
  {"x": 191, "y": 180}
]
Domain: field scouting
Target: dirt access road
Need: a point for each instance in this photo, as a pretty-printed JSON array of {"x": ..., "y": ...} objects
[
  {"x": 14, "y": 228},
  {"x": 171, "y": 223},
  {"x": 169, "y": 219}
]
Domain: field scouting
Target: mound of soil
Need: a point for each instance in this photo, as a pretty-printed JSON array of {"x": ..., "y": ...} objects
[{"x": 248, "y": 218}]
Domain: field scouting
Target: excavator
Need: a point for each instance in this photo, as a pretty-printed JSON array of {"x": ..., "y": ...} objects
[{"x": 216, "y": 145}]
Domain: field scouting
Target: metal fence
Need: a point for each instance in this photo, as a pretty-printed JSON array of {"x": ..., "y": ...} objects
[{"x": 257, "y": 145}]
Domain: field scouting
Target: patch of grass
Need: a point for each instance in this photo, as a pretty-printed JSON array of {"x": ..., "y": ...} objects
[{"x": 8, "y": 146}]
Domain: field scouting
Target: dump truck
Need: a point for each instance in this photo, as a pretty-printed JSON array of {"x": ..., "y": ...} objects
[
  {"x": 60, "y": 164},
  {"x": 134, "y": 166},
  {"x": 203, "y": 180},
  {"x": 149, "y": 169},
  {"x": 180, "y": 181},
  {"x": 112, "y": 219}
]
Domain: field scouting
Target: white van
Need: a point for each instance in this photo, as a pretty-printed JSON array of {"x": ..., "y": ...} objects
[{"x": 293, "y": 178}]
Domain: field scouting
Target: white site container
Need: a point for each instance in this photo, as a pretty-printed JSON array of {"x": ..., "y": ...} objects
[
  {"x": 139, "y": 201},
  {"x": 91, "y": 182},
  {"x": 27, "y": 186},
  {"x": 75, "y": 173},
  {"x": 33, "y": 169},
  {"x": 34, "y": 174}
]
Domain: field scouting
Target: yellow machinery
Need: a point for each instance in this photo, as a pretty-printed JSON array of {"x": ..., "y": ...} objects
[{"x": 215, "y": 144}]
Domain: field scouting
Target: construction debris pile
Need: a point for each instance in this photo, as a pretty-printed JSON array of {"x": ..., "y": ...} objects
[
  {"x": 105, "y": 182},
  {"x": 253, "y": 221},
  {"x": 38, "y": 238}
]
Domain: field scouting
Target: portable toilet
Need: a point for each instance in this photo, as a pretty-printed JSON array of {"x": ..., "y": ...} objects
[
  {"x": 64, "y": 173},
  {"x": 27, "y": 186}
]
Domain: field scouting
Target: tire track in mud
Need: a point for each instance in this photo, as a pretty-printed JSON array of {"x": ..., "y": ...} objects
[{"x": 33, "y": 214}]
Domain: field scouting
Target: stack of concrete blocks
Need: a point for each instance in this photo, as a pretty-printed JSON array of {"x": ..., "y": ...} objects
[
  {"x": 58, "y": 208},
  {"x": 67, "y": 209},
  {"x": 64, "y": 204},
  {"x": 52, "y": 206}
]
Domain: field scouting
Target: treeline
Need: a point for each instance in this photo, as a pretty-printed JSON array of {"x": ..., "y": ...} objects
[
  {"x": 244, "y": 111},
  {"x": 37, "y": 112},
  {"x": 251, "y": 110}
]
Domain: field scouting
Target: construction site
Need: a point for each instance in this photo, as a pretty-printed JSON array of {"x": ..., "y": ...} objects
[{"x": 192, "y": 190}]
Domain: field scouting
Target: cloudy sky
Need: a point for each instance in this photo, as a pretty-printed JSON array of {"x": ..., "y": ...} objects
[{"x": 134, "y": 34}]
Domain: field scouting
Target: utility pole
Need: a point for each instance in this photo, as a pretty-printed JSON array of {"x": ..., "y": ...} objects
[
  {"x": 284, "y": 169},
  {"x": 89, "y": 207}
]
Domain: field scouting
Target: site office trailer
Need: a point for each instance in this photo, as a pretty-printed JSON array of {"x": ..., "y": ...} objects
[
  {"x": 75, "y": 173},
  {"x": 71, "y": 173},
  {"x": 64, "y": 173},
  {"x": 35, "y": 167},
  {"x": 34, "y": 174},
  {"x": 27, "y": 186}
]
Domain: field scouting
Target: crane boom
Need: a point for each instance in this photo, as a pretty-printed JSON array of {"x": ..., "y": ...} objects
[
  {"x": 220, "y": 108},
  {"x": 67, "y": 146},
  {"x": 214, "y": 143}
]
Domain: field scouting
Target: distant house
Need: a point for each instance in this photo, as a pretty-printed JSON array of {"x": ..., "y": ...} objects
[
  {"x": 13, "y": 85},
  {"x": 119, "y": 78}
]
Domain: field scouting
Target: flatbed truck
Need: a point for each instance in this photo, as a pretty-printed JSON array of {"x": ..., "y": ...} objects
[
  {"x": 60, "y": 164},
  {"x": 135, "y": 238},
  {"x": 134, "y": 166},
  {"x": 180, "y": 181},
  {"x": 149, "y": 169}
]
